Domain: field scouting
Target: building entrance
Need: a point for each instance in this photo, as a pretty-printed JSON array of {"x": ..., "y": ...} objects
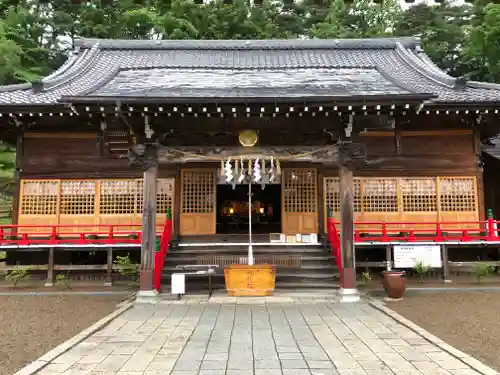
[{"x": 233, "y": 209}]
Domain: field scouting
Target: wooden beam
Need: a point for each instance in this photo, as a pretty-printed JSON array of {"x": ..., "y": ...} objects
[
  {"x": 148, "y": 242},
  {"x": 347, "y": 227},
  {"x": 179, "y": 154}
]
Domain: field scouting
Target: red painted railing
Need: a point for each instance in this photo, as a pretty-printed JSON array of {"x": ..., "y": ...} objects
[
  {"x": 334, "y": 238},
  {"x": 464, "y": 231},
  {"x": 72, "y": 234},
  {"x": 166, "y": 238}
]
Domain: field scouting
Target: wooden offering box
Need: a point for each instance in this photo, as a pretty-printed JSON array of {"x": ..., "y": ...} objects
[{"x": 245, "y": 280}]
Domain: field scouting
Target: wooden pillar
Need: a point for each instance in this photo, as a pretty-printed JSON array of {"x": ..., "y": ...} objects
[
  {"x": 148, "y": 242},
  {"x": 109, "y": 268},
  {"x": 388, "y": 257},
  {"x": 347, "y": 227},
  {"x": 177, "y": 205},
  {"x": 446, "y": 265},
  {"x": 50, "y": 268}
]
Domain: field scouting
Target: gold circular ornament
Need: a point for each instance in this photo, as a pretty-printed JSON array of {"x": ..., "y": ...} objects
[{"x": 248, "y": 138}]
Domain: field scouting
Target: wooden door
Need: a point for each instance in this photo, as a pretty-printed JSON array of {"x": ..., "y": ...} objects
[
  {"x": 198, "y": 205},
  {"x": 299, "y": 198}
]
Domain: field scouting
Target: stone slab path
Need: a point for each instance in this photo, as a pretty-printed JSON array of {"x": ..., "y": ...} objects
[{"x": 255, "y": 338}]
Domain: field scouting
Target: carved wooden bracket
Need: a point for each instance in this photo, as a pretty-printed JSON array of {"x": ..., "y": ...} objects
[
  {"x": 144, "y": 156},
  {"x": 317, "y": 154}
]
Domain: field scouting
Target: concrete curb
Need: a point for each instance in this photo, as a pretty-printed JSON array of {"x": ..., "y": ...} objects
[
  {"x": 31, "y": 294},
  {"x": 44, "y": 360},
  {"x": 465, "y": 358}
]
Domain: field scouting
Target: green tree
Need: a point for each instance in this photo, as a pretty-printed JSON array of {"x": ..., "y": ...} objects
[
  {"x": 362, "y": 19},
  {"x": 441, "y": 28},
  {"x": 482, "y": 47}
]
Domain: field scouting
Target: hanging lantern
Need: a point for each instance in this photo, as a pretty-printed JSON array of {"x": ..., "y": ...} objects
[
  {"x": 378, "y": 2},
  {"x": 248, "y": 138}
]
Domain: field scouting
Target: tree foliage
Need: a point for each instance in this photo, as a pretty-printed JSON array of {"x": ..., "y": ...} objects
[{"x": 36, "y": 35}]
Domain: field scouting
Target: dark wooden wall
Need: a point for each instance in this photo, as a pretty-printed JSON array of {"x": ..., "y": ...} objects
[{"x": 418, "y": 146}]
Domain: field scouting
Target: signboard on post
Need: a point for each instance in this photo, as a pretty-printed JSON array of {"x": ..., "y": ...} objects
[{"x": 407, "y": 256}]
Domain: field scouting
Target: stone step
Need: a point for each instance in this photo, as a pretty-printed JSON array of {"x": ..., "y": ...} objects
[
  {"x": 244, "y": 250},
  {"x": 309, "y": 266}
]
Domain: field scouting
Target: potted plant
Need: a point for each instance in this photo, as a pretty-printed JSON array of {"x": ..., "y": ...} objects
[{"x": 394, "y": 283}]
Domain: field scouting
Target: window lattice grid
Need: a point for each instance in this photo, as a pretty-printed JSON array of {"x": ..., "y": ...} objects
[
  {"x": 120, "y": 197},
  {"x": 418, "y": 194},
  {"x": 300, "y": 190},
  {"x": 332, "y": 199},
  {"x": 77, "y": 197},
  {"x": 164, "y": 195},
  {"x": 198, "y": 190},
  {"x": 380, "y": 195},
  {"x": 457, "y": 194},
  {"x": 39, "y": 197},
  {"x": 332, "y": 194}
]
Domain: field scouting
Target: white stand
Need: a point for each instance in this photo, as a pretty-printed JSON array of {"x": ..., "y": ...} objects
[
  {"x": 250, "y": 248},
  {"x": 349, "y": 295},
  {"x": 147, "y": 296}
]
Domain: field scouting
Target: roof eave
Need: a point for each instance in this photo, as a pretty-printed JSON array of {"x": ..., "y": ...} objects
[{"x": 346, "y": 100}]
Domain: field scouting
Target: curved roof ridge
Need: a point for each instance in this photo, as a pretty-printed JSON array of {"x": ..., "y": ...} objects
[
  {"x": 429, "y": 63},
  {"x": 398, "y": 82},
  {"x": 16, "y": 87},
  {"x": 273, "y": 44},
  {"x": 63, "y": 68},
  {"x": 483, "y": 85},
  {"x": 77, "y": 69},
  {"x": 413, "y": 61},
  {"x": 97, "y": 85}
]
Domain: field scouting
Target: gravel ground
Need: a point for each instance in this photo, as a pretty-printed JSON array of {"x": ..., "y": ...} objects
[
  {"x": 31, "y": 326},
  {"x": 468, "y": 321}
]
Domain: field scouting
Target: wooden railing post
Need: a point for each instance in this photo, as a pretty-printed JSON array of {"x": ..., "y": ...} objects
[
  {"x": 446, "y": 265},
  {"x": 50, "y": 268},
  {"x": 388, "y": 257},
  {"x": 109, "y": 268}
]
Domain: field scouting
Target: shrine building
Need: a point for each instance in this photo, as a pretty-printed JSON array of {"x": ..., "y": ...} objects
[{"x": 293, "y": 117}]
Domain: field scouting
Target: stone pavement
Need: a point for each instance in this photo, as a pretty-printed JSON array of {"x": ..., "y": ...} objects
[{"x": 304, "y": 337}]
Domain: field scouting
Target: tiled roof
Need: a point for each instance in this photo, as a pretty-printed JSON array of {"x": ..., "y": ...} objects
[
  {"x": 494, "y": 148},
  {"x": 263, "y": 68}
]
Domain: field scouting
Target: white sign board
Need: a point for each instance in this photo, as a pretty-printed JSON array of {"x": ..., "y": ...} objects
[
  {"x": 178, "y": 283},
  {"x": 407, "y": 256}
]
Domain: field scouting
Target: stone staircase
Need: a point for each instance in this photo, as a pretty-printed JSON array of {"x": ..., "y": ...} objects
[{"x": 298, "y": 267}]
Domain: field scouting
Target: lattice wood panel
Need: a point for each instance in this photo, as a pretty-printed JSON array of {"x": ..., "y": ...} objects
[
  {"x": 418, "y": 194},
  {"x": 198, "y": 191},
  {"x": 425, "y": 199},
  {"x": 38, "y": 204},
  {"x": 78, "y": 197},
  {"x": 299, "y": 190},
  {"x": 39, "y": 197},
  {"x": 332, "y": 195},
  {"x": 300, "y": 201},
  {"x": 379, "y": 195},
  {"x": 457, "y": 194},
  {"x": 165, "y": 196},
  {"x": 120, "y": 197},
  {"x": 74, "y": 202}
]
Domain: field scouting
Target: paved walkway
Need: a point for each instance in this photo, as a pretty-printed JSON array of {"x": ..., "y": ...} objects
[{"x": 304, "y": 337}]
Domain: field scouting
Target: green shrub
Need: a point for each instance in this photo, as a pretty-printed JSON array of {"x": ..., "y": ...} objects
[
  {"x": 18, "y": 274},
  {"x": 421, "y": 269},
  {"x": 482, "y": 270}
]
